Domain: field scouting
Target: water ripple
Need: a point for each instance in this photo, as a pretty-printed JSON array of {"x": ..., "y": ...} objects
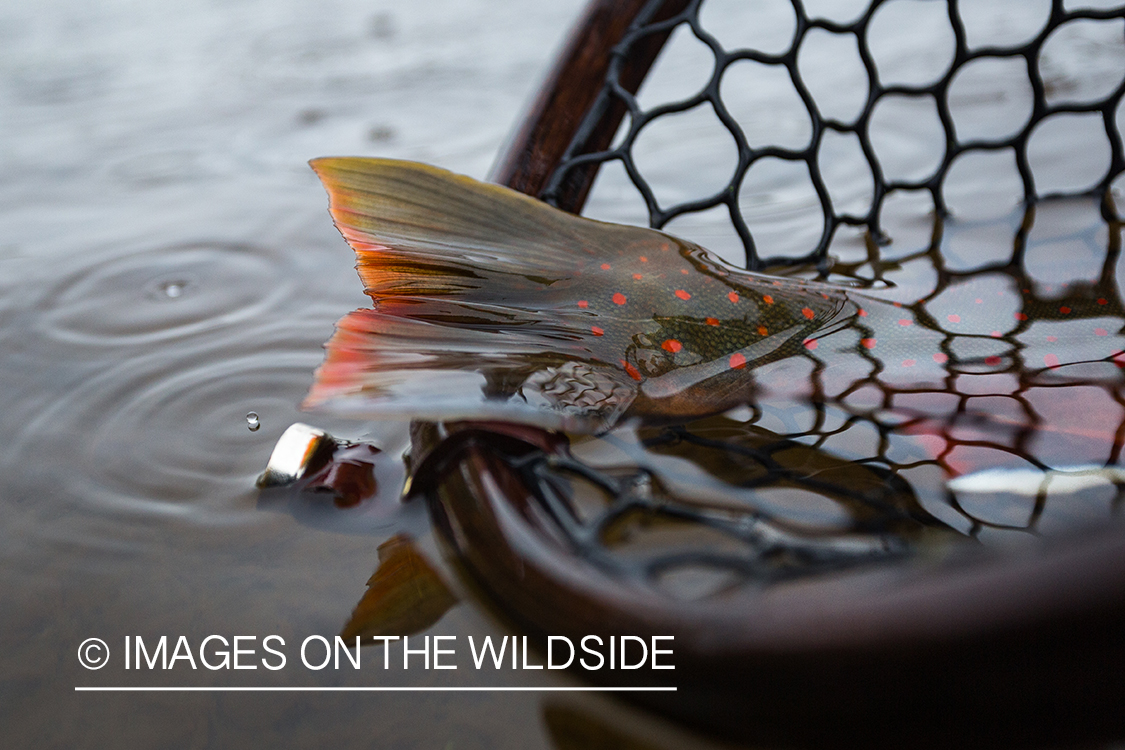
[
  {"x": 164, "y": 432},
  {"x": 163, "y": 293}
]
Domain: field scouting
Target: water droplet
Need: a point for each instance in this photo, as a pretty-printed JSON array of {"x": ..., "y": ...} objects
[
  {"x": 252, "y": 421},
  {"x": 173, "y": 289}
]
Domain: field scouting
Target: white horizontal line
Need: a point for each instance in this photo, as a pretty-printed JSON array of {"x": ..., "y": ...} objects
[{"x": 368, "y": 689}]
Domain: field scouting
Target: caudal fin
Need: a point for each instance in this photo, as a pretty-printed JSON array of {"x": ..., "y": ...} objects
[
  {"x": 422, "y": 231},
  {"x": 492, "y": 305},
  {"x": 476, "y": 291}
]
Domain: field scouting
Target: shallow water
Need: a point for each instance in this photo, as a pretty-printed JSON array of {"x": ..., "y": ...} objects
[{"x": 167, "y": 266}]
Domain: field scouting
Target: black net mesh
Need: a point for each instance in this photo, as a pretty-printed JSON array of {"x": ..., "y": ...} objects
[
  {"x": 859, "y": 470},
  {"x": 1048, "y": 102},
  {"x": 633, "y": 526}
]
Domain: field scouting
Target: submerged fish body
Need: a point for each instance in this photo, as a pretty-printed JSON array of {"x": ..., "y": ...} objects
[{"x": 489, "y": 304}]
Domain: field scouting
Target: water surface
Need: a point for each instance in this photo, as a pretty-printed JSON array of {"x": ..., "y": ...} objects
[{"x": 167, "y": 265}]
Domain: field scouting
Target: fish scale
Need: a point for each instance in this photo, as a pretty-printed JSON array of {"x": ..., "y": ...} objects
[{"x": 487, "y": 301}]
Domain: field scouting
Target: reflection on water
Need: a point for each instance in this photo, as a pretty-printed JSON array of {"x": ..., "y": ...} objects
[
  {"x": 167, "y": 267},
  {"x": 405, "y": 595},
  {"x": 489, "y": 305},
  {"x": 707, "y": 509},
  {"x": 997, "y": 371},
  {"x": 1001, "y": 347}
]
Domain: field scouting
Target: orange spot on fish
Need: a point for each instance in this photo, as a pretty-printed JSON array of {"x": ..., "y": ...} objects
[
  {"x": 862, "y": 313},
  {"x": 1021, "y": 316},
  {"x": 767, "y": 299},
  {"x": 737, "y": 361},
  {"x": 684, "y": 271},
  {"x": 941, "y": 358},
  {"x": 763, "y": 331},
  {"x": 644, "y": 259},
  {"x": 1064, "y": 310},
  {"x": 777, "y": 283},
  {"x": 954, "y": 318},
  {"x": 979, "y": 301},
  {"x": 807, "y": 312},
  {"x": 1103, "y": 301},
  {"x": 1119, "y": 358},
  {"x": 1100, "y": 332},
  {"x": 583, "y": 304},
  {"x": 867, "y": 343},
  {"x": 712, "y": 321},
  {"x": 1052, "y": 339},
  {"x": 682, "y": 294},
  {"x": 1051, "y": 360},
  {"x": 811, "y": 344},
  {"x": 637, "y": 276},
  {"x": 995, "y": 334},
  {"x": 905, "y": 321},
  {"x": 619, "y": 298},
  {"x": 994, "y": 360},
  {"x": 597, "y": 331},
  {"x": 671, "y": 345},
  {"x": 605, "y": 266},
  {"x": 632, "y": 371},
  {"x": 897, "y": 304},
  {"x": 733, "y": 296},
  {"x": 664, "y": 247},
  {"x": 908, "y": 363}
]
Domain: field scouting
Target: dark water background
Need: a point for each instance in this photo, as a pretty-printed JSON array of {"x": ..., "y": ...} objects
[{"x": 167, "y": 265}]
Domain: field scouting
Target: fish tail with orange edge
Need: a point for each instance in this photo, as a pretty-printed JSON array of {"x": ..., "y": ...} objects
[{"x": 476, "y": 292}]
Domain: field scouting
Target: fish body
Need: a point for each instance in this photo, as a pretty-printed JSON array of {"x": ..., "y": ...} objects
[{"x": 489, "y": 304}]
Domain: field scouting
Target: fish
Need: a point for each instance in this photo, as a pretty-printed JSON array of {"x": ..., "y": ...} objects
[{"x": 491, "y": 305}]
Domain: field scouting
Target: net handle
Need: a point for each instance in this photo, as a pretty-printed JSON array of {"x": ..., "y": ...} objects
[{"x": 572, "y": 89}]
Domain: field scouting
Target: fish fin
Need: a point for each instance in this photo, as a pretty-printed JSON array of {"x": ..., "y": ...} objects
[
  {"x": 405, "y": 595},
  {"x": 389, "y": 365},
  {"x": 421, "y": 230}
]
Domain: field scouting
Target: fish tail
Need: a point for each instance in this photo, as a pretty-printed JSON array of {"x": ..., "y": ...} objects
[
  {"x": 475, "y": 289},
  {"x": 422, "y": 231}
]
